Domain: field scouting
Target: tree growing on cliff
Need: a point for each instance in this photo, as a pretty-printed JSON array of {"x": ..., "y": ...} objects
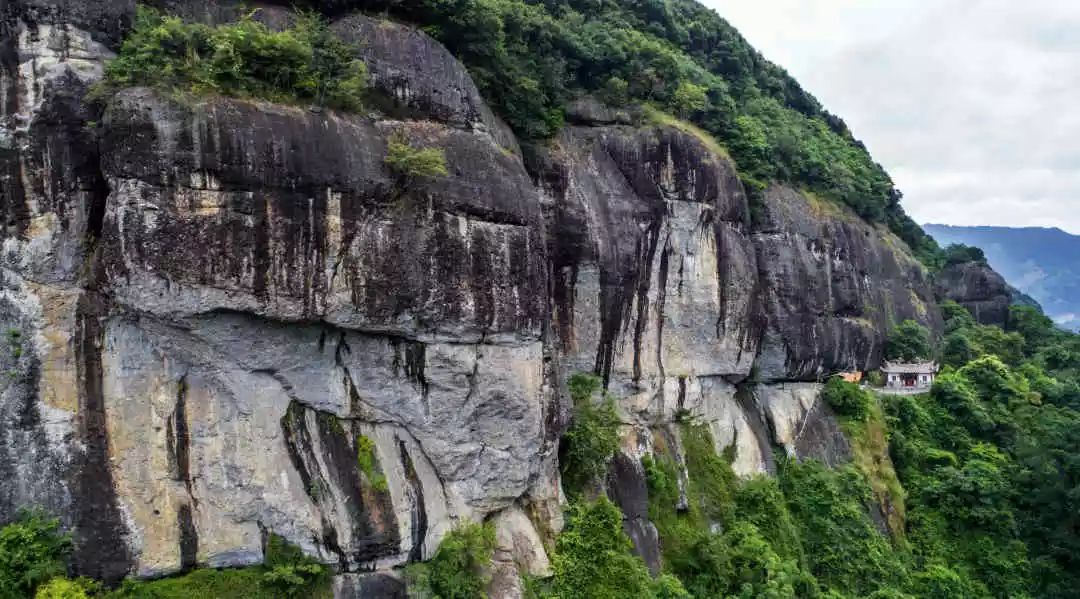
[
  {"x": 909, "y": 341},
  {"x": 593, "y": 437},
  {"x": 32, "y": 551},
  {"x": 460, "y": 568},
  {"x": 410, "y": 164},
  {"x": 959, "y": 253}
]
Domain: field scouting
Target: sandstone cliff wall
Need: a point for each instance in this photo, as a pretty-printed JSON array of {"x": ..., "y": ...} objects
[{"x": 214, "y": 307}]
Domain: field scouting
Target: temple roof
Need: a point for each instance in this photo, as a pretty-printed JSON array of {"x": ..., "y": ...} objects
[{"x": 910, "y": 368}]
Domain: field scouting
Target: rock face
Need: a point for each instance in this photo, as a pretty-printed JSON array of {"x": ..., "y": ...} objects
[
  {"x": 833, "y": 285},
  {"x": 225, "y": 319},
  {"x": 977, "y": 287}
]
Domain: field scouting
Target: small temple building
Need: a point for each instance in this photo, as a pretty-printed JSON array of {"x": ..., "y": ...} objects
[{"x": 917, "y": 376}]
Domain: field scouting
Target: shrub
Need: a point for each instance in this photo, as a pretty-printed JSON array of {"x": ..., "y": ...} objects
[
  {"x": 32, "y": 551},
  {"x": 847, "y": 399},
  {"x": 459, "y": 569},
  {"x": 843, "y": 547},
  {"x": 909, "y": 341},
  {"x": 306, "y": 62},
  {"x": 243, "y": 583},
  {"x": 593, "y": 436},
  {"x": 593, "y": 559},
  {"x": 285, "y": 573},
  {"x": 410, "y": 163},
  {"x": 64, "y": 588}
]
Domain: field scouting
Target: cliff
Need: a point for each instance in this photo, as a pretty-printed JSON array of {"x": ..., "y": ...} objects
[{"x": 223, "y": 302}]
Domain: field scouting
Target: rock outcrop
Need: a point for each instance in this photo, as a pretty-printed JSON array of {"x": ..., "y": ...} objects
[
  {"x": 833, "y": 286},
  {"x": 227, "y": 318},
  {"x": 977, "y": 287}
]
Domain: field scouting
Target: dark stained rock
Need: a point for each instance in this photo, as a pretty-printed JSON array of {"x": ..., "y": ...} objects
[
  {"x": 833, "y": 286},
  {"x": 587, "y": 110},
  {"x": 378, "y": 585},
  {"x": 105, "y": 20},
  {"x": 235, "y": 205},
  {"x": 653, "y": 273},
  {"x": 978, "y": 288},
  {"x": 419, "y": 78},
  {"x": 627, "y": 487},
  {"x": 275, "y": 15},
  {"x": 820, "y": 437}
]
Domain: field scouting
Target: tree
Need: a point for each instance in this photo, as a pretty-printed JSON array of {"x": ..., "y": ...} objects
[
  {"x": 593, "y": 559},
  {"x": 460, "y": 569},
  {"x": 688, "y": 99},
  {"x": 410, "y": 163},
  {"x": 846, "y": 398},
  {"x": 909, "y": 341},
  {"x": 959, "y": 253},
  {"x": 32, "y": 551},
  {"x": 593, "y": 436}
]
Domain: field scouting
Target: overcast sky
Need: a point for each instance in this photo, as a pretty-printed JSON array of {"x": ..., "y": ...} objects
[{"x": 973, "y": 106}]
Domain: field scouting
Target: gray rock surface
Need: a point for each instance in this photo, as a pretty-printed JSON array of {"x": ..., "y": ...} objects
[
  {"x": 832, "y": 287},
  {"x": 226, "y": 318},
  {"x": 419, "y": 78},
  {"x": 977, "y": 287}
]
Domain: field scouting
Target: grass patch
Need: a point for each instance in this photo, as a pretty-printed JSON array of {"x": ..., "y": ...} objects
[
  {"x": 658, "y": 117},
  {"x": 823, "y": 207}
]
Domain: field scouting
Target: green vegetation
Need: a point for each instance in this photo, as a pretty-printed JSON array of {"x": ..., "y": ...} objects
[
  {"x": 976, "y": 483},
  {"x": 988, "y": 459},
  {"x": 304, "y": 63},
  {"x": 593, "y": 559},
  {"x": 245, "y": 583},
  {"x": 410, "y": 163},
  {"x": 847, "y": 399},
  {"x": 368, "y": 463},
  {"x": 285, "y": 573},
  {"x": 659, "y": 117},
  {"x": 909, "y": 341},
  {"x": 63, "y": 588},
  {"x": 32, "y": 551},
  {"x": 959, "y": 253},
  {"x": 593, "y": 435},
  {"x": 459, "y": 569},
  {"x": 529, "y": 58}
]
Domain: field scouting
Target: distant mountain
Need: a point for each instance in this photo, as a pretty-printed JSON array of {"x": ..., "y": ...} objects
[{"x": 1043, "y": 263}]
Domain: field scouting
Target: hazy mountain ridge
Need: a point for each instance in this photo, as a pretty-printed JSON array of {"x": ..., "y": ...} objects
[{"x": 1042, "y": 262}]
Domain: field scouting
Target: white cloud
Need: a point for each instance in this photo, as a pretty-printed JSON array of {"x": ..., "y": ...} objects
[{"x": 970, "y": 105}]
